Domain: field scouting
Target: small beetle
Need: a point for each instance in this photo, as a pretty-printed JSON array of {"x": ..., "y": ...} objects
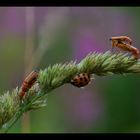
[
  {"x": 28, "y": 83},
  {"x": 81, "y": 80},
  {"x": 121, "y": 39},
  {"x": 124, "y": 43}
]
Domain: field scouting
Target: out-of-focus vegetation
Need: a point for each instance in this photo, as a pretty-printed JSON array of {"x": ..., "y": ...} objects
[{"x": 109, "y": 104}]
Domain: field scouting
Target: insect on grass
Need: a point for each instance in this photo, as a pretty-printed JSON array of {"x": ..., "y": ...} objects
[
  {"x": 28, "y": 83},
  {"x": 125, "y": 43}
]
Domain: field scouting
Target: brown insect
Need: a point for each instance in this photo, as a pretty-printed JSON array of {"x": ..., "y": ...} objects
[
  {"x": 28, "y": 83},
  {"x": 81, "y": 80},
  {"x": 124, "y": 43},
  {"x": 122, "y": 38}
]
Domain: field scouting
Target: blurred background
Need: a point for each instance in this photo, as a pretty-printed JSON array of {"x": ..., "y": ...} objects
[{"x": 36, "y": 37}]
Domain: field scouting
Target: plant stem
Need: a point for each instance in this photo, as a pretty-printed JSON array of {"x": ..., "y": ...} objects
[{"x": 20, "y": 112}]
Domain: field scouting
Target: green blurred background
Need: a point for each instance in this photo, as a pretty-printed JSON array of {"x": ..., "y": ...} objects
[{"x": 35, "y": 37}]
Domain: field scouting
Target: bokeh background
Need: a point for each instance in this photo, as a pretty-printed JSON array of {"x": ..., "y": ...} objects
[{"x": 36, "y": 37}]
